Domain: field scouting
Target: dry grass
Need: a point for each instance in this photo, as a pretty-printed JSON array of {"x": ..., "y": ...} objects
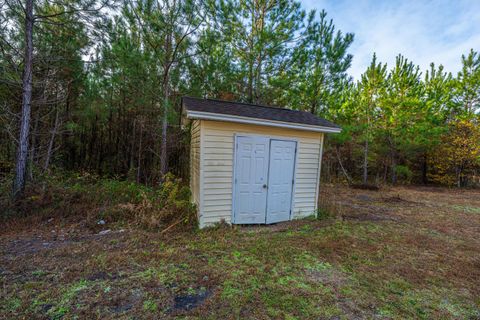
[{"x": 393, "y": 254}]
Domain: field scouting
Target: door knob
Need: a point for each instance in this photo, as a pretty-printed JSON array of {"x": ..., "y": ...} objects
[{"x": 264, "y": 186}]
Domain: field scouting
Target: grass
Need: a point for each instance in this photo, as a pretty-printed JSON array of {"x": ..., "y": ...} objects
[{"x": 401, "y": 253}]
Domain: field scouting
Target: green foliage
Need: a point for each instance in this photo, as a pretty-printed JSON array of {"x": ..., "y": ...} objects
[
  {"x": 104, "y": 84},
  {"x": 151, "y": 208},
  {"x": 261, "y": 35},
  {"x": 466, "y": 100},
  {"x": 72, "y": 194},
  {"x": 323, "y": 213},
  {"x": 404, "y": 173},
  {"x": 318, "y": 74},
  {"x": 396, "y": 122},
  {"x": 150, "y": 305}
]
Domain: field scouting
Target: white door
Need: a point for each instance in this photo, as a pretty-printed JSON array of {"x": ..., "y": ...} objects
[
  {"x": 251, "y": 174},
  {"x": 280, "y": 180}
]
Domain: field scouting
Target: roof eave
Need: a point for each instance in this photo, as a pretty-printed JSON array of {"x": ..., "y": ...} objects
[{"x": 201, "y": 115}]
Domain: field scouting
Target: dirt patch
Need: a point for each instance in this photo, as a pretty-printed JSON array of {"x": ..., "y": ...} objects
[
  {"x": 369, "y": 217},
  {"x": 330, "y": 277},
  {"x": 102, "y": 276},
  {"x": 365, "y": 198},
  {"x": 190, "y": 301},
  {"x": 282, "y": 226},
  {"x": 31, "y": 245},
  {"x": 370, "y": 187},
  {"x": 126, "y": 303},
  {"x": 396, "y": 199}
]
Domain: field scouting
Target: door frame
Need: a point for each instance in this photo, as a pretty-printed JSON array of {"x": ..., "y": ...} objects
[{"x": 274, "y": 137}]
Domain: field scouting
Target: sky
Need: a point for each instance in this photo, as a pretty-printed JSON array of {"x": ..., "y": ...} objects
[{"x": 423, "y": 31}]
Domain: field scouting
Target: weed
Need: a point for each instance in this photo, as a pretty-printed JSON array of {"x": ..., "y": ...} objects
[
  {"x": 311, "y": 263},
  {"x": 150, "y": 305},
  {"x": 66, "y": 300},
  {"x": 12, "y": 304},
  {"x": 39, "y": 273},
  {"x": 467, "y": 209}
]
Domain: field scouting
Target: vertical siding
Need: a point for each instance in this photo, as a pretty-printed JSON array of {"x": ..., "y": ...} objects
[
  {"x": 195, "y": 162},
  {"x": 217, "y": 165}
]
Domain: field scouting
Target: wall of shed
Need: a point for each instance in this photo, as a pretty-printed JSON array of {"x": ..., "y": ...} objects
[
  {"x": 217, "y": 157},
  {"x": 195, "y": 162}
]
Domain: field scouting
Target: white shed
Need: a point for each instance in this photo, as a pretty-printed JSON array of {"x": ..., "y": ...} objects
[{"x": 253, "y": 164}]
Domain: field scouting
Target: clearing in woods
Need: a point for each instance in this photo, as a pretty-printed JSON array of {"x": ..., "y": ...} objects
[{"x": 396, "y": 253}]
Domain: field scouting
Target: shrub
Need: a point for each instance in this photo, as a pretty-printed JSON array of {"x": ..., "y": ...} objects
[
  {"x": 87, "y": 197},
  {"x": 168, "y": 206},
  {"x": 404, "y": 173},
  {"x": 456, "y": 160},
  {"x": 155, "y": 209}
]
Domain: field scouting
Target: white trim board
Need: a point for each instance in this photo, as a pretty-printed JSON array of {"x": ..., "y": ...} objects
[{"x": 262, "y": 122}]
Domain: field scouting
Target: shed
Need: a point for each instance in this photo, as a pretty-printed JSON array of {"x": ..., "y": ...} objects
[{"x": 253, "y": 164}]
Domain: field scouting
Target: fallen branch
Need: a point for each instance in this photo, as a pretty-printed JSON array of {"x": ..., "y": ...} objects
[
  {"x": 170, "y": 226},
  {"x": 349, "y": 180}
]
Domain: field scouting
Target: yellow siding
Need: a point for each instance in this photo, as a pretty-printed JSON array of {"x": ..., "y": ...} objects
[
  {"x": 195, "y": 162},
  {"x": 217, "y": 167}
]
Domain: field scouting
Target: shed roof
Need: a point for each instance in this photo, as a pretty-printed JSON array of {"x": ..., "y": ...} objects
[{"x": 196, "y": 108}]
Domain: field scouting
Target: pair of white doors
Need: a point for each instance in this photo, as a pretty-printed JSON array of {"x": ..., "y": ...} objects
[{"x": 264, "y": 177}]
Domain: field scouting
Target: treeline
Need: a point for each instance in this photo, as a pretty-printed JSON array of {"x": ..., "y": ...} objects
[
  {"x": 107, "y": 79},
  {"x": 402, "y": 124}
]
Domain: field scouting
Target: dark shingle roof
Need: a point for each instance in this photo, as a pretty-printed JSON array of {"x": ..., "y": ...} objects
[{"x": 254, "y": 111}]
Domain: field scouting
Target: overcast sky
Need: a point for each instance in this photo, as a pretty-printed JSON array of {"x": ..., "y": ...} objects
[{"x": 423, "y": 31}]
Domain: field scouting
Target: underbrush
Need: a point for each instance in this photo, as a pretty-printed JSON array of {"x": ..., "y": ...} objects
[
  {"x": 328, "y": 206},
  {"x": 95, "y": 201}
]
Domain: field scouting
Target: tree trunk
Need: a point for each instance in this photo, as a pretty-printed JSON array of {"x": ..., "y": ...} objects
[
  {"x": 48, "y": 156},
  {"x": 33, "y": 147},
  {"x": 250, "y": 83},
  {"x": 250, "y": 61},
  {"x": 22, "y": 153},
  {"x": 385, "y": 172},
  {"x": 365, "y": 162},
  {"x": 425, "y": 170},
  {"x": 166, "y": 93},
  {"x": 394, "y": 168},
  {"x": 163, "y": 150},
  {"x": 139, "y": 160},
  {"x": 132, "y": 148},
  {"x": 313, "y": 107}
]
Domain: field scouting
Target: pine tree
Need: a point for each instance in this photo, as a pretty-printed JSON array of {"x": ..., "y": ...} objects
[
  {"x": 320, "y": 67},
  {"x": 371, "y": 89},
  {"x": 261, "y": 34},
  {"x": 467, "y": 86}
]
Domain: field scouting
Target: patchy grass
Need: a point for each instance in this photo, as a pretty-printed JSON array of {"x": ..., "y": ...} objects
[
  {"x": 390, "y": 254},
  {"x": 467, "y": 209}
]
